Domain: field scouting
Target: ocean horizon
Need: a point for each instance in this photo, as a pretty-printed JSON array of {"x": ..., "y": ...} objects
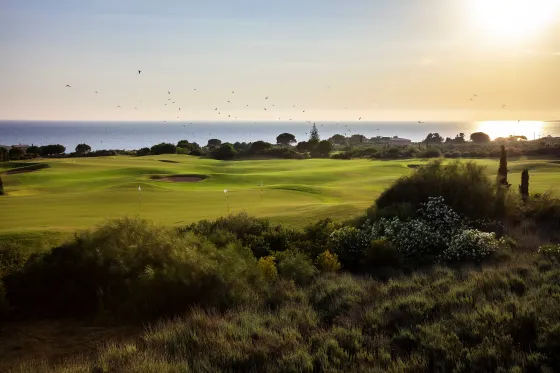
[{"x": 136, "y": 135}]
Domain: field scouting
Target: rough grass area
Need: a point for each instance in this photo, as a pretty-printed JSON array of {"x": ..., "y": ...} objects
[
  {"x": 495, "y": 318},
  {"x": 76, "y": 193}
]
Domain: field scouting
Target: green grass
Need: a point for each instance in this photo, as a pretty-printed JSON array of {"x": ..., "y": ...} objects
[{"x": 78, "y": 193}]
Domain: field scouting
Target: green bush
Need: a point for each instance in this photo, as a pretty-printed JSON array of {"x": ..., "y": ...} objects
[
  {"x": 430, "y": 153},
  {"x": 163, "y": 148},
  {"x": 463, "y": 185},
  {"x": 381, "y": 253},
  {"x": 260, "y": 235},
  {"x": 142, "y": 152},
  {"x": 328, "y": 262},
  {"x": 267, "y": 267},
  {"x": 133, "y": 269},
  {"x": 350, "y": 244},
  {"x": 224, "y": 152},
  {"x": 296, "y": 266}
]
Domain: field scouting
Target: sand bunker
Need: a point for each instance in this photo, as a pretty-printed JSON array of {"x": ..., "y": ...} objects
[{"x": 181, "y": 178}]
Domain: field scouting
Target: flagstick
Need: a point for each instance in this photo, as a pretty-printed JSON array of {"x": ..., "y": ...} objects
[{"x": 139, "y": 199}]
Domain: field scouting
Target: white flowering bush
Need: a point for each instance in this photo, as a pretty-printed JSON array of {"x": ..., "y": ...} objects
[
  {"x": 424, "y": 238},
  {"x": 472, "y": 245},
  {"x": 438, "y": 233}
]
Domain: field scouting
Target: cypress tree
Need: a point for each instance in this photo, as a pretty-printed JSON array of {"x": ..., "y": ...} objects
[
  {"x": 524, "y": 187},
  {"x": 1, "y": 187},
  {"x": 502, "y": 170}
]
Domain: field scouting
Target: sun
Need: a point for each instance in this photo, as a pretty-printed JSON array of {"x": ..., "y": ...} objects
[
  {"x": 495, "y": 129},
  {"x": 514, "y": 18}
]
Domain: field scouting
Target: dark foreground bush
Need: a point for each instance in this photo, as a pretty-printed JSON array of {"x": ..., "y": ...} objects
[
  {"x": 464, "y": 186},
  {"x": 132, "y": 269},
  {"x": 259, "y": 235},
  {"x": 501, "y": 318}
]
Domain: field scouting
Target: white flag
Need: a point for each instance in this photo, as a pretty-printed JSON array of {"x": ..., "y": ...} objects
[
  {"x": 139, "y": 189},
  {"x": 225, "y": 191}
]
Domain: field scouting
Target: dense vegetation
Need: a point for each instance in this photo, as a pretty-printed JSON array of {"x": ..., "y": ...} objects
[{"x": 430, "y": 287}]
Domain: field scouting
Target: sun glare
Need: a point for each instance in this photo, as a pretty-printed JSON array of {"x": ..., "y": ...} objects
[
  {"x": 496, "y": 129},
  {"x": 514, "y": 18}
]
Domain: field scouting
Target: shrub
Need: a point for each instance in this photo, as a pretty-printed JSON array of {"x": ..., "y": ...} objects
[
  {"x": 143, "y": 152},
  {"x": 328, "y": 262},
  {"x": 550, "y": 252},
  {"x": 224, "y": 152},
  {"x": 349, "y": 244},
  {"x": 259, "y": 146},
  {"x": 296, "y": 266},
  {"x": 267, "y": 266},
  {"x": 470, "y": 245},
  {"x": 133, "y": 269},
  {"x": 4, "y": 305},
  {"x": 163, "y": 148},
  {"x": 422, "y": 239},
  {"x": 196, "y": 152},
  {"x": 259, "y": 235},
  {"x": 381, "y": 253},
  {"x": 464, "y": 186},
  {"x": 430, "y": 153},
  {"x": 1, "y": 187}
]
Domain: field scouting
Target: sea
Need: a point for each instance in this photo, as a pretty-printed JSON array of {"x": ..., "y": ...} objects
[{"x": 136, "y": 135}]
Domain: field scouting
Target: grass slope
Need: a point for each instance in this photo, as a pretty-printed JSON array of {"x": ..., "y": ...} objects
[{"x": 77, "y": 193}]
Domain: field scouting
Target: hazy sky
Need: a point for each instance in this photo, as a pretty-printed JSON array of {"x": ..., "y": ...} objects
[{"x": 339, "y": 60}]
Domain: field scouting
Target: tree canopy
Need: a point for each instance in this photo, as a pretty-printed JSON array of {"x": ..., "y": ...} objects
[
  {"x": 52, "y": 149},
  {"x": 183, "y": 144},
  {"x": 434, "y": 138},
  {"x": 480, "y": 137},
  {"x": 324, "y": 148},
  {"x": 314, "y": 134},
  {"x": 214, "y": 142},
  {"x": 338, "y": 140},
  {"x": 259, "y": 146},
  {"x": 285, "y": 139},
  {"x": 224, "y": 152},
  {"x": 83, "y": 148},
  {"x": 163, "y": 148}
]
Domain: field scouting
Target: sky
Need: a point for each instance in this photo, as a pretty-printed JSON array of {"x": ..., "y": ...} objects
[{"x": 337, "y": 60}]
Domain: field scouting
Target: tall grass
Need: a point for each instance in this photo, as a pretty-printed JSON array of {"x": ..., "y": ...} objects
[{"x": 502, "y": 317}]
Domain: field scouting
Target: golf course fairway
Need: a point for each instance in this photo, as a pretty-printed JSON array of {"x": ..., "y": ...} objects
[{"x": 75, "y": 193}]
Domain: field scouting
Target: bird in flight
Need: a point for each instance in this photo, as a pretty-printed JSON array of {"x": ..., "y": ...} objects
[
  {"x": 135, "y": 108},
  {"x": 503, "y": 106},
  {"x": 168, "y": 92},
  {"x": 216, "y": 109},
  {"x": 420, "y": 122},
  {"x": 118, "y": 106},
  {"x": 68, "y": 86},
  {"x": 179, "y": 108},
  {"x": 264, "y": 108},
  {"x": 266, "y": 98},
  {"x": 360, "y": 118},
  {"x": 96, "y": 92},
  {"x": 139, "y": 71},
  {"x": 232, "y": 91}
]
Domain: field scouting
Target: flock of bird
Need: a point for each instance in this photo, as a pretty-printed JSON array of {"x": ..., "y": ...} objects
[{"x": 218, "y": 110}]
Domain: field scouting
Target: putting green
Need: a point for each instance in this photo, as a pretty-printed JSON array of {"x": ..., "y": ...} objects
[{"x": 78, "y": 193}]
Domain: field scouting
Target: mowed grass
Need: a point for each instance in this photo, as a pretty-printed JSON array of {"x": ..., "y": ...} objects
[{"x": 78, "y": 193}]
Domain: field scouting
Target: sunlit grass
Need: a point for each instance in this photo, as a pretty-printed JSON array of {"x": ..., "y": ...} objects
[{"x": 78, "y": 193}]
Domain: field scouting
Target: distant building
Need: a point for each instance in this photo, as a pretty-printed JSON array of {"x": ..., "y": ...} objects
[{"x": 22, "y": 147}]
